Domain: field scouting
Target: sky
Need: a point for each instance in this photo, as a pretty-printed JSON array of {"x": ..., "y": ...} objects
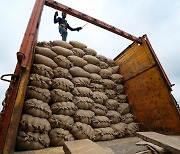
[{"x": 160, "y": 20}]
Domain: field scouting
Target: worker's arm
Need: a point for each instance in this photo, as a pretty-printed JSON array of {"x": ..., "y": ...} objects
[
  {"x": 56, "y": 18},
  {"x": 73, "y": 29}
]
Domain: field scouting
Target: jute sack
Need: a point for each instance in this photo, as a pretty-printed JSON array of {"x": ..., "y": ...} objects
[
  {"x": 37, "y": 108},
  {"x": 122, "y": 98},
  {"x": 45, "y": 52},
  {"x": 60, "y": 72},
  {"x": 77, "y": 61},
  {"x": 58, "y": 136},
  {"x": 91, "y": 59},
  {"x": 43, "y": 70},
  {"x": 117, "y": 78},
  {"x": 123, "y": 108},
  {"x": 99, "y": 110},
  {"x": 38, "y": 93},
  {"x": 82, "y": 92},
  {"x": 132, "y": 128},
  {"x": 65, "y": 108},
  {"x": 99, "y": 97},
  {"x": 78, "y": 52},
  {"x": 100, "y": 122},
  {"x": 29, "y": 123},
  {"x": 119, "y": 129},
  {"x": 90, "y": 51},
  {"x": 91, "y": 68},
  {"x": 82, "y": 131},
  {"x": 84, "y": 116},
  {"x": 108, "y": 84},
  {"x": 83, "y": 102},
  {"x": 58, "y": 95},
  {"x": 62, "y": 61},
  {"x": 114, "y": 69},
  {"x": 80, "y": 81},
  {"x": 78, "y": 72},
  {"x": 62, "y": 44},
  {"x": 110, "y": 62},
  {"x": 61, "y": 121},
  {"x": 40, "y": 59},
  {"x": 32, "y": 141},
  {"x": 105, "y": 73},
  {"x": 110, "y": 93},
  {"x": 63, "y": 84},
  {"x": 95, "y": 78},
  {"x": 101, "y": 58},
  {"x": 114, "y": 116},
  {"x": 127, "y": 118},
  {"x": 103, "y": 65},
  {"x": 77, "y": 44},
  {"x": 39, "y": 81},
  {"x": 62, "y": 51},
  {"x": 104, "y": 134},
  {"x": 96, "y": 87},
  {"x": 44, "y": 44},
  {"x": 112, "y": 104},
  {"x": 120, "y": 88}
]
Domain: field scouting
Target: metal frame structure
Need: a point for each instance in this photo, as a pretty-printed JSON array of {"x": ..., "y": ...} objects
[{"x": 13, "y": 103}]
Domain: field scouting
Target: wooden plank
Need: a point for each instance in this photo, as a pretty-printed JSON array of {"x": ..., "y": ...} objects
[{"x": 169, "y": 143}]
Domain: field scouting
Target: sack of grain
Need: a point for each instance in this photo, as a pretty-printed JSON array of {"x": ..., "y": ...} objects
[
  {"x": 62, "y": 51},
  {"x": 83, "y": 102},
  {"x": 61, "y": 121},
  {"x": 37, "y": 108},
  {"x": 60, "y": 72},
  {"x": 132, "y": 128},
  {"x": 80, "y": 81},
  {"x": 58, "y": 95},
  {"x": 114, "y": 69},
  {"x": 105, "y": 73},
  {"x": 38, "y": 93},
  {"x": 40, "y": 59},
  {"x": 123, "y": 108},
  {"x": 99, "y": 110},
  {"x": 119, "y": 88},
  {"x": 44, "y": 44},
  {"x": 104, "y": 134},
  {"x": 91, "y": 68},
  {"x": 121, "y": 98},
  {"x": 65, "y": 108},
  {"x": 29, "y": 123},
  {"x": 62, "y": 61},
  {"x": 117, "y": 78},
  {"x": 78, "y": 72},
  {"x": 78, "y": 52},
  {"x": 103, "y": 65},
  {"x": 39, "y": 81},
  {"x": 101, "y": 58},
  {"x": 82, "y": 131},
  {"x": 63, "y": 84},
  {"x": 82, "y": 92},
  {"x": 114, "y": 116},
  {"x": 119, "y": 129},
  {"x": 110, "y": 93},
  {"x": 95, "y": 78},
  {"x": 84, "y": 116},
  {"x": 108, "y": 84},
  {"x": 91, "y": 59},
  {"x": 127, "y": 118},
  {"x": 110, "y": 62},
  {"x": 32, "y": 141},
  {"x": 112, "y": 104},
  {"x": 45, "y": 52},
  {"x": 62, "y": 44},
  {"x": 100, "y": 122},
  {"x": 99, "y": 97},
  {"x": 77, "y": 44},
  {"x": 77, "y": 61},
  {"x": 90, "y": 51},
  {"x": 96, "y": 87},
  {"x": 58, "y": 136},
  {"x": 43, "y": 70}
]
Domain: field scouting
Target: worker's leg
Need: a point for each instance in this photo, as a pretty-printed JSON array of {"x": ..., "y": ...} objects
[{"x": 63, "y": 33}]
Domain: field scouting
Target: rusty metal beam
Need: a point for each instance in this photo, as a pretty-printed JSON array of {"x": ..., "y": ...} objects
[{"x": 85, "y": 17}]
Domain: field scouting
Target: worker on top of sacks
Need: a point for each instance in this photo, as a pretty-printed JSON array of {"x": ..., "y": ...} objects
[{"x": 63, "y": 25}]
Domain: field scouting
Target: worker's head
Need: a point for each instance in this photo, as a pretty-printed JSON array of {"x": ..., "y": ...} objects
[{"x": 64, "y": 15}]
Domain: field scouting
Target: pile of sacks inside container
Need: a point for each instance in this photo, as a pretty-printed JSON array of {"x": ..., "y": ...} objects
[{"x": 73, "y": 93}]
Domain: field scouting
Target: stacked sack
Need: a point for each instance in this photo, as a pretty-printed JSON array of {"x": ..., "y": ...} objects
[{"x": 85, "y": 94}]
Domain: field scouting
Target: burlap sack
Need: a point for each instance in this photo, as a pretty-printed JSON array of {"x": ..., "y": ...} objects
[
  {"x": 44, "y": 44},
  {"x": 40, "y": 59},
  {"x": 62, "y": 61},
  {"x": 121, "y": 98},
  {"x": 95, "y": 78},
  {"x": 37, "y": 108},
  {"x": 110, "y": 62},
  {"x": 120, "y": 88},
  {"x": 91, "y": 59},
  {"x": 58, "y": 95},
  {"x": 80, "y": 81},
  {"x": 127, "y": 118},
  {"x": 65, "y": 108},
  {"x": 123, "y": 108},
  {"x": 100, "y": 122},
  {"x": 78, "y": 52},
  {"x": 101, "y": 58},
  {"x": 78, "y": 72},
  {"x": 104, "y": 134},
  {"x": 32, "y": 141},
  {"x": 108, "y": 84},
  {"x": 63, "y": 84},
  {"x": 114, "y": 116},
  {"x": 82, "y": 131},
  {"x": 39, "y": 81},
  {"x": 61, "y": 121},
  {"x": 110, "y": 93},
  {"x": 105, "y": 73},
  {"x": 96, "y": 87},
  {"x": 77, "y": 44},
  {"x": 38, "y": 93},
  {"x": 90, "y": 51},
  {"x": 132, "y": 128},
  {"x": 99, "y": 110},
  {"x": 91, "y": 68},
  {"x": 62, "y": 44},
  {"x": 103, "y": 65},
  {"x": 117, "y": 78},
  {"x": 45, "y": 52},
  {"x": 62, "y": 51},
  {"x": 77, "y": 61},
  {"x": 112, "y": 104},
  {"x": 114, "y": 69},
  {"x": 119, "y": 129},
  {"x": 82, "y": 92},
  {"x": 99, "y": 97},
  {"x": 60, "y": 72},
  {"x": 83, "y": 102},
  {"x": 43, "y": 70},
  {"x": 29, "y": 123}
]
